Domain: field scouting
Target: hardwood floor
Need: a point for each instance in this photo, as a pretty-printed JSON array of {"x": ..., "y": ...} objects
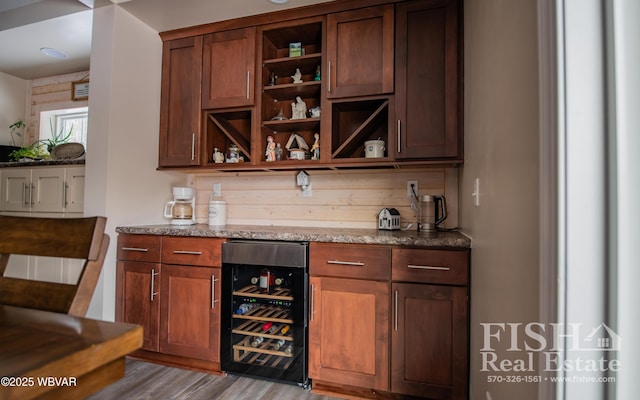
[{"x": 152, "y": 381}]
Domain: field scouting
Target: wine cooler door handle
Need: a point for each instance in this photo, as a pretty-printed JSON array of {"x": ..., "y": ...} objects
[
  {"x": 352, "y": 263},
  {"x": 311, "y": 305},
  {"x": 153, "y": 284},
  {"x": 213, "y": 292},
  {"x": 396, "y": 311}
]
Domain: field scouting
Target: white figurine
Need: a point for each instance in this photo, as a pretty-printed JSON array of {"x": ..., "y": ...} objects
[
  {"x": 297, "y": 77},
  {"x": 298, "y": 109}
]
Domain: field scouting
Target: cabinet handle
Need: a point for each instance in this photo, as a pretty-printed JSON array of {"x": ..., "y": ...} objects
[
  {"x": 193, "y": 146},
  {"x": 193, "y": 253},
  {"x": 428, "y": 267},
  {"x": 329, "y": 79},
  {"x": 135, "y": 249},
  {"x": 352, "y": 263},
  {"x": 33, "y": 189},
  {"x": 396, "y": 311},
  {"x": 153, "y": 283},
  {"x": 399, "y": 147},
  {"x": 64, "y": 194},
  {"x": 248, "y": 80},
  {"x": 213, "y": 292},
  {"x": 311, "y": 306},
  {"x": 24, "y": 194}
]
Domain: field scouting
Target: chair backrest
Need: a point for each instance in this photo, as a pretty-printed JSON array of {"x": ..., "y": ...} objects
[{"x": 79, "y": 238}]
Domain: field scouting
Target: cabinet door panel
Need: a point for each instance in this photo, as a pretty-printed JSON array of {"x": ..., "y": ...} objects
[
  {"x": 348, "y": 332},
  {"x": 429, "y": 341},
  {"x": 74, "y": 190},
  {"x": 360, "y": 52},
  {"x": 47, "y": 185},
  {"x": 427, "y": 80},
  {"x": 228, "y": 68},
  {"x": 180, "y": 102},
  {"x": 15, "y": 189},
  {"x": 138, "y": 300},
  {"x": 190, "y": 310}
]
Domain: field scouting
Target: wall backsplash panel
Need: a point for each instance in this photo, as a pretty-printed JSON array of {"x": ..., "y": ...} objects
[{"x": 346, "y": 199}]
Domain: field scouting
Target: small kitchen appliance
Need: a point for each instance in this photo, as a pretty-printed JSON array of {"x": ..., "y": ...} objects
[
  {"x": 374, "y": 148},
  {"x": 180, "y": 209},
  {"x": 433, "y": 211}
]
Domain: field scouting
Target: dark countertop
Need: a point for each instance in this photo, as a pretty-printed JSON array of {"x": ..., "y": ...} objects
[
  {"x": 40, "y": 163},
  {"x": 287, "y": 233}
]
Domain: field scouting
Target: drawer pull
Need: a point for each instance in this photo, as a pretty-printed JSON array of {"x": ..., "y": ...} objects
[
  {"x": 135, "y": 249},
  {"x": 352, "y": 263},
  {"x": 193, "y": 253},
  {"x": 429, "y": 267}
]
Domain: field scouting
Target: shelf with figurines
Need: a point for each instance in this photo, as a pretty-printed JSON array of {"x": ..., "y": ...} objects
[{"x": 294, "y": 150}]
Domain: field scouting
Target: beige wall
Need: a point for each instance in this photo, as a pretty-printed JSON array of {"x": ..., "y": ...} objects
[
  {"x": 13, "y": 95},
  {"x": 501, "y": 149}
]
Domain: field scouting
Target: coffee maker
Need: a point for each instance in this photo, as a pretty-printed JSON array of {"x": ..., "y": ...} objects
[{"x": 181, "y": 208}]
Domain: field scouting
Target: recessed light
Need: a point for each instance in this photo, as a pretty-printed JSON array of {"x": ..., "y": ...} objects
[
  {"x": 278, "y": 1},
  {"x": 53, "y": 52}
]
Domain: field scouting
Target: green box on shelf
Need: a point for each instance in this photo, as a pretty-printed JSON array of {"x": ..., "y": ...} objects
[{"x": 295, "y": 49}]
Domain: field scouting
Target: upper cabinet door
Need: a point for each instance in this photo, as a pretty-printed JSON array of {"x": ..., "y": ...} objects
[
  {"x": 428, "y": 80},
  {"x": 360, "y": 52},
  {"x": 180, "y": 102},
  {"x": 229, "y": 68}
]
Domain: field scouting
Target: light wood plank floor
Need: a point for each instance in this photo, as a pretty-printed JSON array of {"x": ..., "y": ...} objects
[{"x": 144, "y": 380}]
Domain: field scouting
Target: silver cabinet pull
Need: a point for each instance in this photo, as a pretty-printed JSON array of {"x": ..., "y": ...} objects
[
  {"x": 193, "y": 146},
  {"x": 311, "y": 306},
  {"x": 248, "y": 80},
  {"x": 329, "y": 80},
  {"x": 352, "y": 263},
  {"x": 31, "y": 190},
  {"x": 64, "y": 194},
  {"x": 193, "y": 253},
  {"x": 144, "y": 250},
  {"x": 153, "y": 283},
  {"x": 429, "y": 267},
  {"x": 213, "y": 292},
  {"x": 396, "y": 311},
  {"x": 399, "y": 138},
  {"x": 25, "y": 187}
]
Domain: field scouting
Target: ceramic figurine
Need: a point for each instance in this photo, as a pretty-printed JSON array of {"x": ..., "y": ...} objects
[
  {"x": 298, "y": 109},
  {"x": 270, "y": 153},
  {"x": 315, "y": 149},
  {"x": 314, "y": 112},
  {"x": 217, "y": 156},
  {"x": 297, "y": 77},
  {"x": 278, "y": 152},
  {"x": 317, "y": 77}
]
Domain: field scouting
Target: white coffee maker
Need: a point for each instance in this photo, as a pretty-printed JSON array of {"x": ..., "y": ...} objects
[{"x": 181, "y": 208}]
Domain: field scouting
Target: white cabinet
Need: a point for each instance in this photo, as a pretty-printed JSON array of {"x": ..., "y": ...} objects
[{"x": 47, "y": 189}]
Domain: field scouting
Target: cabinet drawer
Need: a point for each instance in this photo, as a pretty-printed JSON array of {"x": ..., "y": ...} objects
[
  {"x": 431, "y": 266},
  {"x": 350, "y": 261},
  {"x": 139, "y": 248},
  {"x": 192, "y": 251}
]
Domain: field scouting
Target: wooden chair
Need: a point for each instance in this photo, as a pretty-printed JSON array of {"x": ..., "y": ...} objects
[{"x": 79, "y": 238}]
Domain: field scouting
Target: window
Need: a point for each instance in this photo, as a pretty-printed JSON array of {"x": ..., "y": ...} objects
[{"x": 60, "y": 122}]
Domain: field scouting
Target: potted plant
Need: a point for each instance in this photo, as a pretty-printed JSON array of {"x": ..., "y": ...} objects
[
  {"x": 56, "y": 138},
  {"x": 16, "y": 131}
]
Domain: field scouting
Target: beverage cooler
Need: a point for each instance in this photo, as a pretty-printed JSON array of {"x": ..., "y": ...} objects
[{"x": 264, "y": 310}]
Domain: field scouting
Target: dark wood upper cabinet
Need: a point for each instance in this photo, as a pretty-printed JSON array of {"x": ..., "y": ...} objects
[
  {"x": 180, "y": 102},
  {"x": 360, "y": 52},
  {"x": 428, "y": 80},
  {"x": 229, "y": 68}
]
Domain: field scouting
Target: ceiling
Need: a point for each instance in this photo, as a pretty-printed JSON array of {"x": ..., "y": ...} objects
[{"x": 65, "y": 25}]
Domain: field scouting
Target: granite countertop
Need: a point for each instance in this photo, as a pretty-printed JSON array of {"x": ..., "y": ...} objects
[
  {"x": 40, "y": 163},
  {"x": 287, "y": 233}
]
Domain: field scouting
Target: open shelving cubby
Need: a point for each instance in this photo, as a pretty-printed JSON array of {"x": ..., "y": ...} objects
[{"x": 224, "y": 128}]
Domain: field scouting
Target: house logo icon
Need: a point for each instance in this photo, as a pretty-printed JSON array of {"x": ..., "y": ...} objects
[{"x": 602, "y": 338}]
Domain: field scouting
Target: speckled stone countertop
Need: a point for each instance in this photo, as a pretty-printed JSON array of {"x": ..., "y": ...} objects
[
  {"x": 40, "y": 163},
  {"x": 287, "y": 233}
]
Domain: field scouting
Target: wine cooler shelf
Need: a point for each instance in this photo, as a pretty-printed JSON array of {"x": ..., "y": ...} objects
[
  {"x": 254, "y": 291},
  {"x": 267, "y": 313},
  {"x": 264, "y": 354}
]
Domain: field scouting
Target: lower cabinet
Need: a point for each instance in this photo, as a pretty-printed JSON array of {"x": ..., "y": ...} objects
[
  {"x": 389, "y": 319},
  {"x": 171, "y": 286},
  {"x": 348, "y": 332}
]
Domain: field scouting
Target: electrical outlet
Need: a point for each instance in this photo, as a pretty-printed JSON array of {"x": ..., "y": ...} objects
[
  {"x": 415, "y": 188},
  {"x": 306, "y": 190}
]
